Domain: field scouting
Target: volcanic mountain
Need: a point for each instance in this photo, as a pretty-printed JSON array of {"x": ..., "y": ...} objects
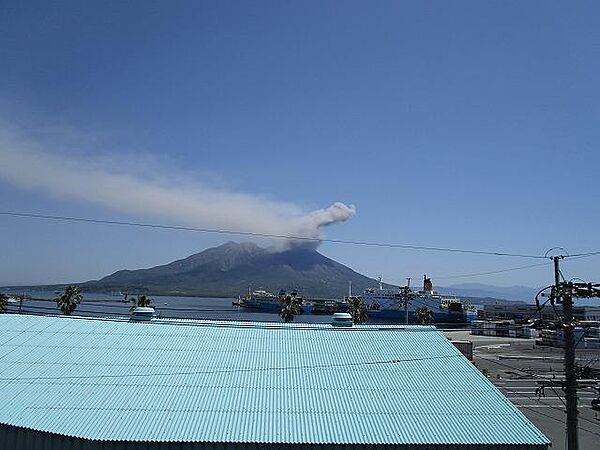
[{"x": 230, "y": 269}]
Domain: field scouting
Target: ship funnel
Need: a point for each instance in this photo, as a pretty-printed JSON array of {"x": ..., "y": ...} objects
[{"x": 427, "y": 284}]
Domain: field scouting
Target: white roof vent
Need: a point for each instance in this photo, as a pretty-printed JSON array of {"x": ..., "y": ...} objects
[
  {"x": 141, "y": 314},
  {"x": 341, "y": 320}
]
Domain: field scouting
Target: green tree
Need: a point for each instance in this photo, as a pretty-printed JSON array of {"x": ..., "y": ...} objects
[
  {"x": 423, "y": 315},
  {"x": 3, "y": 302},
  {"x": 21, "y": 297},
  {"x": 291, "y": 305},
  {"x": 68, "y": 299},
  {"x": 358, "y": 310},
  {"x": 141, "y": 300}
]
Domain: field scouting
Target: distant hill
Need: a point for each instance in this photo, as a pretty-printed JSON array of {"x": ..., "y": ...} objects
[
  {"x": 513, "y": 293},
  {"x": 230, "y": 269}
]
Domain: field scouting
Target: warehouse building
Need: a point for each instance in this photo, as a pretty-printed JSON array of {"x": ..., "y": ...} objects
[
  {"x": 111, "y": 384},
  {"x": 521, "y": 311}
]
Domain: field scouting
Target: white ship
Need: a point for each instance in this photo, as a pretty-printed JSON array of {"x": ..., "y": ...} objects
[{"x": 389, "y": 304}]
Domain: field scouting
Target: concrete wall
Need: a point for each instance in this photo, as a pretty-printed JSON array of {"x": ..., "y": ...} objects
[{"x": 465, "y": 347}]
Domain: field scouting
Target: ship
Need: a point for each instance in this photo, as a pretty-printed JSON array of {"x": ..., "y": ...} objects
[
  {"x": 388, "y": 304},
  {"x": 264, "y": 300}
]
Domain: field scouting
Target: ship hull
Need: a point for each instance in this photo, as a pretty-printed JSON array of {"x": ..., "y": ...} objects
[
  {"x": 437, "y": 316},
  {"x": 269, "y": 306},
  {"x": 260, "y": 306}
]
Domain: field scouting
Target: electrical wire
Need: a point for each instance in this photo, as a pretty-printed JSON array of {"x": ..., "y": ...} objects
[
  {"x": 557, "y": 408},
  {"x": 468, "y": 275},
  {"x": 533, "y": 375},
  {"x": 558, "y": 396},
  {"x": 582, "y": 255},
  {"x": 268, "y": 235},
  {"x": 539, "y": 309},
  {"x": 508, "y": 366},
  {"x": 212, "y": 372}
]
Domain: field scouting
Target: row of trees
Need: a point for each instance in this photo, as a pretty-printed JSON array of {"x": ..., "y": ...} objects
[
  {"x": 3, "y": 302},
  {"x": 70, "y": 297},
  {"x": 141, "y": 300},
  {"x": 66, "y": 301},
  {"x": 291, "y": 306}
]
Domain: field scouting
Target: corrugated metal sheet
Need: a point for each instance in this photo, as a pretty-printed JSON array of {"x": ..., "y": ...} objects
[{"x": 198, "y": 381}]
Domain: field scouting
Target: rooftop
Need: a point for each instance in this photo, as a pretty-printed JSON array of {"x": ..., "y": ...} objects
[{"x": 203, "y": 381}]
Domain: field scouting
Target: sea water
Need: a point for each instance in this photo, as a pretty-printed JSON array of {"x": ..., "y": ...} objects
[{"x": 105, "y": 305}]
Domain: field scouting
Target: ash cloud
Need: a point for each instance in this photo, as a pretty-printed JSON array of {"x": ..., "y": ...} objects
[
  {"x": 311, "y": 225},
  {"x": 25, "y": 163}
]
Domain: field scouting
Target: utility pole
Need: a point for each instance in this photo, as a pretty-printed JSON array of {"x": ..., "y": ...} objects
[
  {"x": 570, "y": 375},
  {"x": 406, "y": 305},
  {"x": 406, "y": 295},
  {"x": 406, "y": 299},
  {"x": 563, "y": 293}
]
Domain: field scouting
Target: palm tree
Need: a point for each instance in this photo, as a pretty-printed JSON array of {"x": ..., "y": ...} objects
[
  {"x": 291, "y": 305},
  {"x": 21, "y": 297},
  {"x": 68, "y": 299},
  {"x": 141, "y": 300},
  {"x": 3, "y": 302},
  {"x": 358, "y": 310},
  {"x": 423, "y": 315}
]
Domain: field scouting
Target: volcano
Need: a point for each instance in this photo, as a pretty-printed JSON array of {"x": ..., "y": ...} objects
[{"x": 232, "y": 268}]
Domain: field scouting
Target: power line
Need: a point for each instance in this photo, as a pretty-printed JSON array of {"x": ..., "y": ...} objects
[
  {"x": 534, "y": 375},
  {"x": 582, "y": 255},
  {"x": 492, "y": 272},
  {"x": 211, "y": 372},
  {"x": 268, "y": 235},
  {"x": 557, "y": 408}
]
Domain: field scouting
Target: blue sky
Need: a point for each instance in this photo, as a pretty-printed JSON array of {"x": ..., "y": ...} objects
[{"x": 457, "y": 124}]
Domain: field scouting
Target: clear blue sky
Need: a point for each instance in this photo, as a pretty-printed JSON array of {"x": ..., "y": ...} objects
[{"x": 458, "y": 124}]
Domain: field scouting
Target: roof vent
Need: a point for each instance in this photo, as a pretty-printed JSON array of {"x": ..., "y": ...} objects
[
  {"x": 141, "y": 314},
  {"x": 341, "y": 320}
]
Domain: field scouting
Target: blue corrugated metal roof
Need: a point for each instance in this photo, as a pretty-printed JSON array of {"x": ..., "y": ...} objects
[{"x": 236, "y": 382}]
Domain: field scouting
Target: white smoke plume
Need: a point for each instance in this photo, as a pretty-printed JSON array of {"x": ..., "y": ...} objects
[{"x": 27, "y": 165}]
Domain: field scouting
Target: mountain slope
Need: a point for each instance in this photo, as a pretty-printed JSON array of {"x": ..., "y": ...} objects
[{"x": 230, "y": 269}]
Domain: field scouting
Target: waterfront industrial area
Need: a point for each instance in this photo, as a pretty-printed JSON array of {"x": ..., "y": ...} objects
[
  {"x": 196, "y": 384},
  {"x": 520, "y": 367},
  {"x": 524, "y": 363}
]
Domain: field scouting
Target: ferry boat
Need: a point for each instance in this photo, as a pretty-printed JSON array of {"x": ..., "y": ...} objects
[
  {"x": 388, "y": 304},
  {"x": 267, "y": 301}
]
